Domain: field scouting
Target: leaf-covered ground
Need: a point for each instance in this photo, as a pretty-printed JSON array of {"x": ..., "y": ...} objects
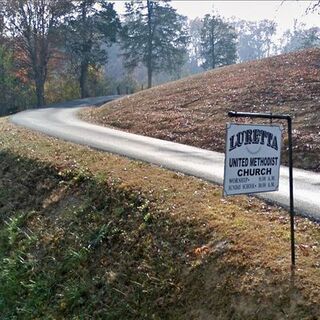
[
  {"x": 194, "y": 110},
  {"x": 89, "y": 235}
]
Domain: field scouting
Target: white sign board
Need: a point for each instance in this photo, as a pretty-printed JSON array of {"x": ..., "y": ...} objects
[{"x": 252, "y": 159}]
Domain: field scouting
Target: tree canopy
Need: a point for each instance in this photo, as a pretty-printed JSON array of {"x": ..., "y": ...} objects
[
  {"x": 54, "y": 50},
  {"x": 92, "y": 24},
  {"x": 32, "y": 23},
  {"x": 155, "y": 36},
  {"x": 218, "y": 42},
  {"x": 300, "y": 38},
  {"x": 255, "y": 39}
]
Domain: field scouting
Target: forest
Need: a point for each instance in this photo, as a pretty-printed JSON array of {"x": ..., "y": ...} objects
[{"x": 58, "y": 50}]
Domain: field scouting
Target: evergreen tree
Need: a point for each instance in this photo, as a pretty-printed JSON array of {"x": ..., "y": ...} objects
[
  {"x": 218, "y": 42},
  {"x": 92, "y": 25},
  {"x": 155, "y": 36}
]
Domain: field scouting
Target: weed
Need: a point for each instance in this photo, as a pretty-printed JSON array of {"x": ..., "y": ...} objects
[{"x": 100, "y": 235}]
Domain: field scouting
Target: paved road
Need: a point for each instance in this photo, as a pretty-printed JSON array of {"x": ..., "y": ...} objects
[{"x": 61, "y": 121}]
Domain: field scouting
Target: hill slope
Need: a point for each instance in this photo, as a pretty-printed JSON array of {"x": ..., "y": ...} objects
[
  {"x": 89, "y": 235},
  {"x": 193, "y": 110}
]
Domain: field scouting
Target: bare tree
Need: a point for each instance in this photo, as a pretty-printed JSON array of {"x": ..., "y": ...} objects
[{"x": 313, "y": 6}]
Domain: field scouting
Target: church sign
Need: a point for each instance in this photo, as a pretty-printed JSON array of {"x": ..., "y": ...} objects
[{"x": 252, "y": 158}]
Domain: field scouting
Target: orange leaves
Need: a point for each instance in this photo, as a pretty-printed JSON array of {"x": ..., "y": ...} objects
[{"x": 201, "y": 251}]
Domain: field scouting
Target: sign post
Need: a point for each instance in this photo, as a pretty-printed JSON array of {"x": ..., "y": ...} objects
[{"x": 252, "y": 160}]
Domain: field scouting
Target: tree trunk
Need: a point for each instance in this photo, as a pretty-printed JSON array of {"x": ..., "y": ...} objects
[
  {"x": 84, "y": 61},
  {"x": 150, "y": 35},
  {"x": 213, "y": 57},
  {"x": 40, "y": 76},
  {"x": 40, "y": 93},
  {"x": 149, "y": 75},
  {"x": 84, "y": 80}
]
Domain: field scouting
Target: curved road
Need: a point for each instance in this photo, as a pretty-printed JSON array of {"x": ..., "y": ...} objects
[{"x": 61, "y": 121}]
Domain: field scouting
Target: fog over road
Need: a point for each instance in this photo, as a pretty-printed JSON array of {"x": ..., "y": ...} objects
[{"x": 61, "y": 121}]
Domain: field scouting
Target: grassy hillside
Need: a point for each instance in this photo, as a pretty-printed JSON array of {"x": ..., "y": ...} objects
[
  {"x": 89, "y": 235},
  {"x": 193, "y": 110}
]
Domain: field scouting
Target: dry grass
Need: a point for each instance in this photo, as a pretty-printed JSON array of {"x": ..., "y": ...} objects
[
  {"x": 193, "y": 110},
  {"x": 195, "y": 254}
]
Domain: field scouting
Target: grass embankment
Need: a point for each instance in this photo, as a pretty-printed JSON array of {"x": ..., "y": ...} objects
[
  {"x": 194, "y": 110},
  {"x": 88, "y": 235}
]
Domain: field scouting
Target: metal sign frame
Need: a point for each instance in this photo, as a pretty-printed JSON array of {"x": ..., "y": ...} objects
[{"x": 270, "y": 116}]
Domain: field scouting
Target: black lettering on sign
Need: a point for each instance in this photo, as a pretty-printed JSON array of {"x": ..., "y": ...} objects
[
  {"x": 238, "y": 162},
  {"x": 254, "y": 172},
  {"x": 255, "y": 136}
]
